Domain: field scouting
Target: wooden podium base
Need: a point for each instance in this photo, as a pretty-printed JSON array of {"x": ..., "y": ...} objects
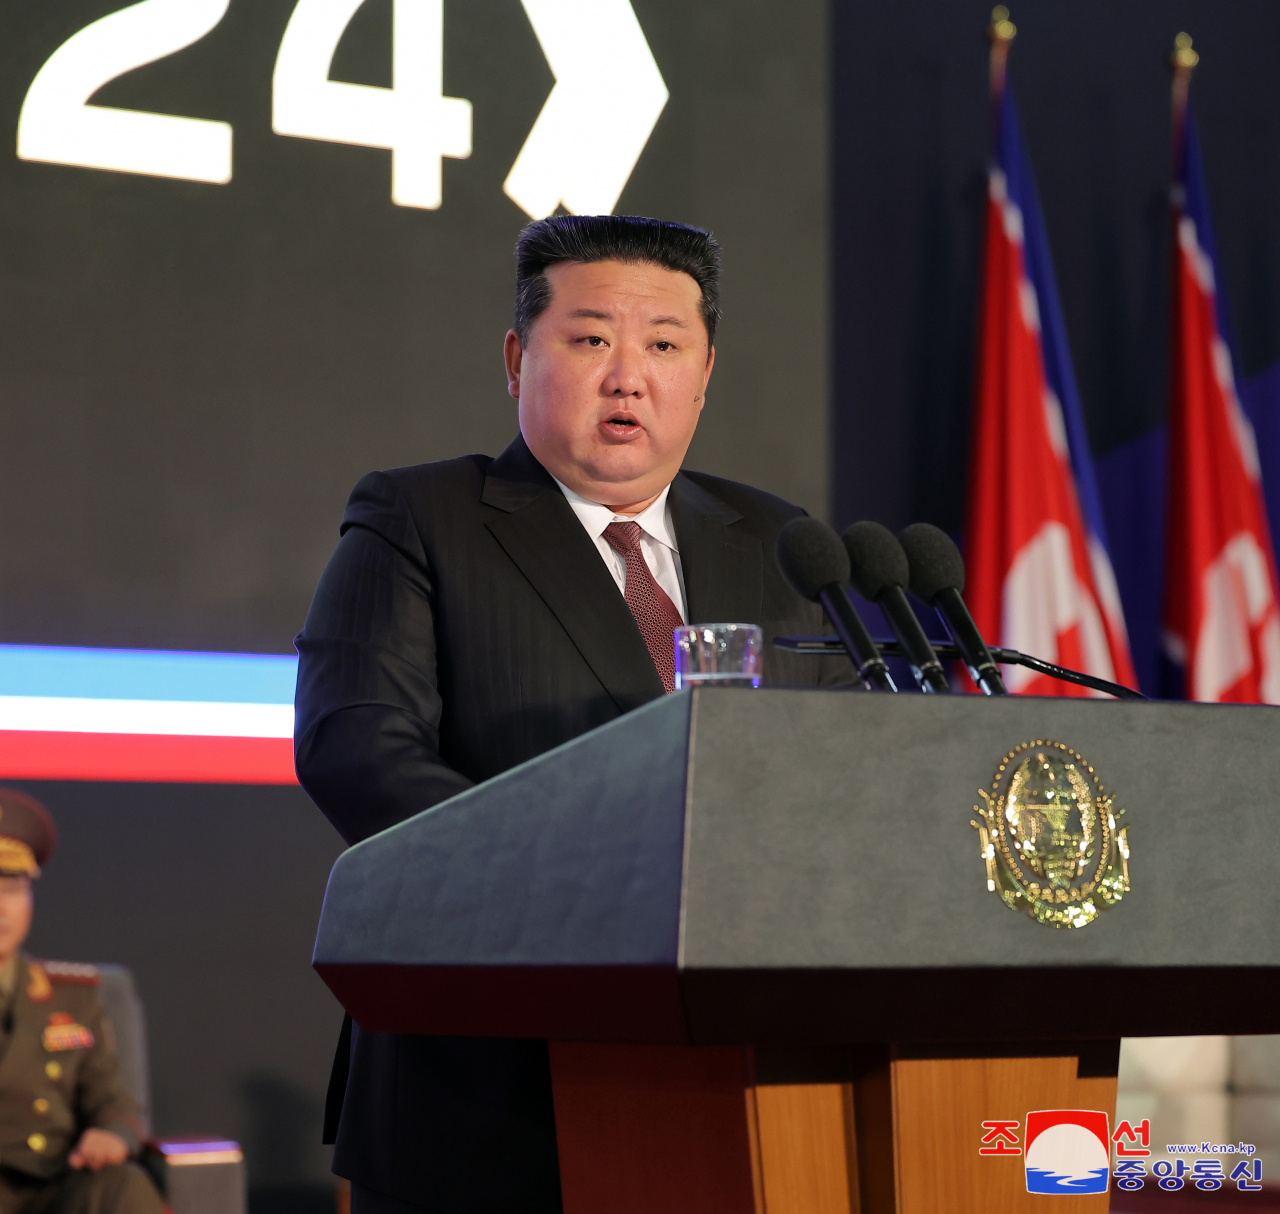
[{"x": 862, "y": 1130}]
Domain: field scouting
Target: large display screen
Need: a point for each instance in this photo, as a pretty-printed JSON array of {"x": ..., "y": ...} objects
[{"x": 252, "y": 249}]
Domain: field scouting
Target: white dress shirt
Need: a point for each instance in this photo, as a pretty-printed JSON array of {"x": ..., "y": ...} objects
[{"x": 657, "y": 542}]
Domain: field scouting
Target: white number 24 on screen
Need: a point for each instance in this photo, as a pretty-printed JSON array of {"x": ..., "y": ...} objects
[
  {"x": 598, "y": 53},
  {"x": 412, "y": 119}
]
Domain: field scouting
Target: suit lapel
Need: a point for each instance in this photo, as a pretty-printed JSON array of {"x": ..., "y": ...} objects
[
  {"x": 723, "y": 567},
  {"x": 540, "y": 533}
]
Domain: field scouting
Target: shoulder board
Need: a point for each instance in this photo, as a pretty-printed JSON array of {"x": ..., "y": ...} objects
[{"x": 70, "y": 973}]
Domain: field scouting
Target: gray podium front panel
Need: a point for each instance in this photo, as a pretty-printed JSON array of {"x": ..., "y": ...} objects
[{"x": 799, "y": 866}]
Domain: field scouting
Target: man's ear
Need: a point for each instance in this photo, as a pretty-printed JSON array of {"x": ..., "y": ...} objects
[
  {"x": 706, "y": 375},
  {"x": 513, "y": 356}
]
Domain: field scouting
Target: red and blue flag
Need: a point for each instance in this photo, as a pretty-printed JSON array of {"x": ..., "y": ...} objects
[
  {"x": 1221, "y": 620},
  {"x": 1039, "y": 571}
]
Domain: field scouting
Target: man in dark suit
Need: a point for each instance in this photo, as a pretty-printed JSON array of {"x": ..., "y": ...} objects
[{"x": 478, "y": 612}]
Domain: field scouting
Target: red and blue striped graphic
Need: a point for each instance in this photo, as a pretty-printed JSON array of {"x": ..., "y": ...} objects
[{"x": 147, "y": 715}]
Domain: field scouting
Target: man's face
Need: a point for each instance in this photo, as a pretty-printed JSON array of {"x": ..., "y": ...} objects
[
  {"x": 612, "y": 380},
  {"x": 15, "y": 914}
]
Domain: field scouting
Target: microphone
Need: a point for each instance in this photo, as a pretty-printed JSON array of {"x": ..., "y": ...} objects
[
  {"x": 814, "y": 562},
  {"x": 879, "y": 570},
  {"x": 937, "y": 578}
]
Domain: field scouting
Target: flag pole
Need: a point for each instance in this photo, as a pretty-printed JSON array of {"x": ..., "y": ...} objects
[
  {"x": 1184, "y": 60},
  {"x": 1001, "y": 32}
]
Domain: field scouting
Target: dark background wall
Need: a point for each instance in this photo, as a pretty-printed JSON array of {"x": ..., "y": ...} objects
[{"x": 910, "y": 140}]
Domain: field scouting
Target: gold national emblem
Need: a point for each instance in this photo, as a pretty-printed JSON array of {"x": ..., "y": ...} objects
[{"x": 1049, "y": 836}]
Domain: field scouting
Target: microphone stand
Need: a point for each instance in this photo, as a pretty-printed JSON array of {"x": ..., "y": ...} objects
[{"x": 944, "y": 649}]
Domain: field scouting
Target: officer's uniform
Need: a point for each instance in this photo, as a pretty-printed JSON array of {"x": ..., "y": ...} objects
[{"x": 58, "y": 1074}]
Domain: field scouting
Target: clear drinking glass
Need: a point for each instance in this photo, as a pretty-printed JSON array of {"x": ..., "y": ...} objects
[{"x": 719, "y": 655}]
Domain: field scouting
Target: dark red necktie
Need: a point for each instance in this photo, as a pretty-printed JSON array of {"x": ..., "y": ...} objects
[{"x": 655, "y": 613}]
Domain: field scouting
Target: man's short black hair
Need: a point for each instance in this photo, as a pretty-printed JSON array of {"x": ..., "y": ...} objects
[{"x": 626, "y": 238}]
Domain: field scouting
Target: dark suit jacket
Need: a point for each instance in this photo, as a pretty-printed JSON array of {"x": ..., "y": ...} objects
[{"x": 466, "y": 623}]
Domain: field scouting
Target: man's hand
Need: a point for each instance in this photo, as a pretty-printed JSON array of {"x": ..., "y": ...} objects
[{"x": 99, "y": 1149}]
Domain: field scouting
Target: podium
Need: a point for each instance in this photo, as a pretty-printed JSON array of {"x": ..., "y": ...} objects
[{"x": 756, "y": 928}]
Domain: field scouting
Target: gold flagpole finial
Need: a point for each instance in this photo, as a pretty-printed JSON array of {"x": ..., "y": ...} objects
[
  {"x": 1001, "y": 32},
  {"x": 1002, "y": 29},
  {"x": 1183, "y": 55},
  {"x": 1184, "y": 58}
]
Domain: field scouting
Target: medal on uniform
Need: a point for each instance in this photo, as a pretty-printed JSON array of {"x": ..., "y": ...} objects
[{"x": 63, "y": 1033}]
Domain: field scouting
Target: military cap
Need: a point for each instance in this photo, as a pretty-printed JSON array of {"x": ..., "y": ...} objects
[{"x": 28, "y": 836}]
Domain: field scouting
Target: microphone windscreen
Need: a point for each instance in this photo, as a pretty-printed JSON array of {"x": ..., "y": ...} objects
[
  {"x": 811, "y": 557},
  {"x": 936, "y": 563},
  {"x": 876, "y": 559}
]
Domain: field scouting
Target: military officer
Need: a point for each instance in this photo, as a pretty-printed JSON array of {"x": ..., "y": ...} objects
[{"x": 68, "y": 1129}]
